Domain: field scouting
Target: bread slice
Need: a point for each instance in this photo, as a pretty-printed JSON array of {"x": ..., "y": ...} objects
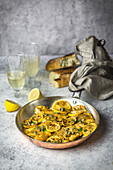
[
  {"x": 66, "y": 61},
  {"x": 59, "y": 73},
  {"x": 62, "y": 82}
]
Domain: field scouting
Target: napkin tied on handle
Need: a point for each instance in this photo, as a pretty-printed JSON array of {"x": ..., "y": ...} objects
[{"x": 95, "y": 75}]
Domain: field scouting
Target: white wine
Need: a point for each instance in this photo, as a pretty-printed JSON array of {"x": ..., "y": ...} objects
[
  {"x": 32, "y": 68},
  {"x": 16, "y": 79}
]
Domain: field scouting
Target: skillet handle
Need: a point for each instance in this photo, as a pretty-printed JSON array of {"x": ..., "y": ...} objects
[{"x": 77, "y": 94}]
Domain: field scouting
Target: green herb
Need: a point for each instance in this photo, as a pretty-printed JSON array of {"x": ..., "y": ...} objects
[
  {"x": 56, "y": 142},
  {"x": 79, "y": 120},
  {"x": 73, "y": 129},
  {"x": 80, "y": 130},
  {"x": 32, "y": 122},
  {"x": 73, "y": 120},
  {"x": 44, "y": 130},
  {"x": 84, "y": 130}
]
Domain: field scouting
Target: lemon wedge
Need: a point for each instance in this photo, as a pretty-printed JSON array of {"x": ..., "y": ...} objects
[
  {"x": 11, "y": 106},
  {"x": 61, "y": 106},
  {"x": 34, "y": 94}
]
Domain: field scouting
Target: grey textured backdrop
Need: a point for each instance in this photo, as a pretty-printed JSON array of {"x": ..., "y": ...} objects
[{"x": 56, "y": 25}]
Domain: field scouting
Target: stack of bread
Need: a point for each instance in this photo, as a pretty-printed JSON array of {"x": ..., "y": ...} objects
[{"x": 61, "y": 69}]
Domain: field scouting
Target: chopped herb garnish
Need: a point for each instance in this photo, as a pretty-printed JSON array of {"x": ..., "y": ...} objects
[
  {"x": 32, "y": 122},
  {"x": 73, "y": 120},
  {"x": 84, "y": 130},
  {"x": 56, "y": 142},
  {"x": 79, "y": 120},
  {"x": 44, "y": 130},
  {"x": 73, "y": 129},
  {"x": 80, "y": 130}
]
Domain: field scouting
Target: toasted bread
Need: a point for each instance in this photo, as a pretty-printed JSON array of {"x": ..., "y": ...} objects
[
  {"x": 66, "y": 61},
  {"x": 62, "y": 82},
  {"x": 58, "y": 73}
]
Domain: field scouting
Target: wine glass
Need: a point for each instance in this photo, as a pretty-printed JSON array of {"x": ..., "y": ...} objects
[
  {"x": 31, "y": 53},
  {"x": 16, "y": 72}
]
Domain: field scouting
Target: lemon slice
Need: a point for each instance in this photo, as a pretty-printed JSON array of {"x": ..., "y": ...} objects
[
  {"x": 79, "y": 109},
  {"x": 52, "y": 126},
  {"x": 89, "y": 129},
  {"x": 11, "y": 106},
  {"x": 54, "y": 139},
  {"x": 61, "y": 106},
  {"x": 34, "y": 94}
]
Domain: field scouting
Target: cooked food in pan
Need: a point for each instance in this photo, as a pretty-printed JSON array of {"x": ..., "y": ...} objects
[{"x": 59, "y": 124}]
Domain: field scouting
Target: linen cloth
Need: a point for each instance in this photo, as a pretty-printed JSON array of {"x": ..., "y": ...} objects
[{"x": 96, "y": 72}]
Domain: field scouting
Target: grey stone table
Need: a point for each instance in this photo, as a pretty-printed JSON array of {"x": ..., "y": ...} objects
[{"x": 18, "y": 153}]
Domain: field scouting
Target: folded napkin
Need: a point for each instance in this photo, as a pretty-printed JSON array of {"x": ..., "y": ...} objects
[{"x": 96, "y": 72}]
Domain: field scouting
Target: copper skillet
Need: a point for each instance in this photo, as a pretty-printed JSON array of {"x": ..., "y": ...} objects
[{"x": 27, "y": 111}]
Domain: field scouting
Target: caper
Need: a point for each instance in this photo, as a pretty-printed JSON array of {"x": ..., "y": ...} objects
[{"x": 73, "y": 133}]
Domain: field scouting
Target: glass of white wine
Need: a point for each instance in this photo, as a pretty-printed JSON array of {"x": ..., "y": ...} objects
[
  {"x": 31, "y": 53},
  {"x": 16, "y": 72}
]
